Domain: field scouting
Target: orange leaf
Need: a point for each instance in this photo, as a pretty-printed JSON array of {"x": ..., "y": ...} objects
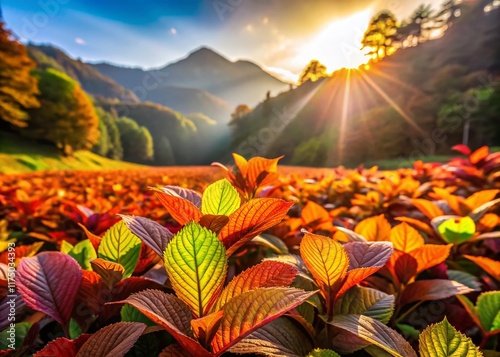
[
  {"x": 179, "y": 208},
  {"x": 406, "y": 238},
  {"x": 374, "y": 228},
  {"x": 313, "y": 214},
  {"x": 354, "y": 277},
  {"x": 417, "y": 224},
  {"x": 251, "y": 219},
  {"x": 490, "y": 266},
  {"x": 430, "y": 255},
  {"x": 267, "y": 274},
  {"x": 241, "y": 163},
  {"x": 213, "y": 222},
  {"x": 479, "y": 155},
  {"x": 205, "y": 327},
  {"x": 430, "y": 209},
  {"x": 261, "y": 171},
  {"x": 480, "y": 198},
  {"x": 94, "y": 239}
]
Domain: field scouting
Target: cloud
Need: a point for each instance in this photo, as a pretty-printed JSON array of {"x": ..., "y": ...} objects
[
  {"x": 173, "y": 31},
  {"x": 80, "y": 41}
]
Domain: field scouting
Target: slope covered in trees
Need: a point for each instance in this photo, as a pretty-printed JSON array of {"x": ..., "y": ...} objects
[{"x": 419, "y": 101}]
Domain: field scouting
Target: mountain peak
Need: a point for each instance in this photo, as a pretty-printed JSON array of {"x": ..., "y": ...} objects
[{"x": 206, "y": 53}]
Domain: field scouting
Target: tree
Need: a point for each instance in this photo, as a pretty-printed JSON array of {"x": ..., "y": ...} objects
[
  {"x": 418, "y": 28},
  {"x": 136, "y": 141},
  {"x": 380, "y": 35},
  {"x": 313, "y": 71},
  {"x": 66, "y": 116},
  {"x": 239, "y": 112},
  {"x": 450, "y": 10},
  {"x": 18, "y": 88},
  {"x": 109, "y": 144}
]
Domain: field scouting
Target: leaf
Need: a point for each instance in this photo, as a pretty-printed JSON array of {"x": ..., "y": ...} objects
[
  {"x": 272, "y": 242},
  {"x": 280, "y": 337},
  {"x": 417, "y": 224},
  {"x": 182, "y": 210},
  {"x": 113, "y": 340},
  {"x": 490, "y": 266},
  {"x": 479, "y": 199},
  {"x": 479, "y": 155},
  {"x": 479, "y": 212},
  {"x": 48, "y": 282},
  {"x": 196, "y": 264},
  {"x": 430, "y": 255},
  {"x": 120, "y": 245},
  {"x": 367, "y": 255},
  {"x": 355, "y": 276},
  {"x": 220, "y": 199},
  {"x": 205, "y": 327},
  {"x": 20, "y": 329},
  {"x": 406, "y": 238},
  {"x": 249, "y": 311},
  {"x": 463, "y": 149},
  {"x": 250, "y": 220},
  {"x": 374, "y": 332},
  {"x": 442, "y": 340},
  {"x": 366, "y": 301},
  {"x": 153, "y": 234},
  {"x": 436, "y": 289},
  {"x": 83, "y": 253},
  {"x": 267, "y": 274},
  {"x": 353, "y": 236},
  {"x": 169, "y": 312},
  {"x": 323, "y": 353},
  {"x": 325, "y": 259},
  {"x": 111, "y": 273},
  {"x": 190, "y": 195},
  {"x": 405, "y": 266},
  {"x": 261, "y": 171},
  {"x": 314, "y": 214},
  {"x": 93, "y": 238},
  {"x": 213, "y": 222},
  {"x": 488, "y": 309},
  {"x": 428, "y": 208},
  {"x": 62, "y": 347},
  {"x": 464, "y": 278},
  {"x": 457, "y": 230},
  {"x": 66, "y": 247},
  {"x": 128, "y": 313},
  {"x": 374, "y": 229}
]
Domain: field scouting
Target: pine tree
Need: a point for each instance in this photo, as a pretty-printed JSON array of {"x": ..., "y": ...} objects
[{"x": 18, "y": 88}]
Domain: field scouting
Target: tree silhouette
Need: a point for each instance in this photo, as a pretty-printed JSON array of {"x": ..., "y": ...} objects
[
  {"x": 380, "y": 35},
  {"x": 418, "y": 28},
  {"x": 17, "y": 87},
  {"x": 313, "y": 71},
  {"x": 239, "y": 112}
]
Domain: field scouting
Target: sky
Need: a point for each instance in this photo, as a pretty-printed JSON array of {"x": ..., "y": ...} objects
[{"x": 281, "y": 36}]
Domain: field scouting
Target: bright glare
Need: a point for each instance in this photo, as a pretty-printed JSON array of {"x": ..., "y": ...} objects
[{"x": 338, "y": 45}]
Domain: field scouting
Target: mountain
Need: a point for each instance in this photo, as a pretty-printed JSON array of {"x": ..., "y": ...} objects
[
  {"x": 412, "y": 104},
  {"x": 91, "y": 80},
  {"x": 235, "y": 82}
]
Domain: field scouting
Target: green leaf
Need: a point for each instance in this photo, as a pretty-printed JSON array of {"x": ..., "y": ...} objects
[
  {"x": 20, "y": 331},
  {"x": 374, "y": 332},
  {"x": 366, "y": 301},
  {"x": 129, "y": 313},
  {"x": 74, "y": 329},
  {"x": 323, "y": 353},
  {"x": 195, "y": 260},
  {"x": 457, "y": 230},
  {"x": 442, "y": 340},
  {"x": 220, "y": 198},
  {"x": 66, "y": 247},
  {"x": 120, "y": 245},
  {"x": 409, "y": 331},
  {"x": 488, "y": 308},
  {"x": 83, "y": 253}
]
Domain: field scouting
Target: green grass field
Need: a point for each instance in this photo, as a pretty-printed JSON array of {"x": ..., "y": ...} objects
[{"x": 20, "y": 155}]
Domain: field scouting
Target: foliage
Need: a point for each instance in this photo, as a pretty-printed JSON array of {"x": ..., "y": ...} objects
[
  {"x": 365, "y": 262},
  {"x": 109, "y": 144},
  {"x": 66, "y": 117},
  {"x": 380, "y": 35},
  {"x": 313, "y": 71},
  {"x": 17, "y": 87},
  {"x": 136, "y": 140}
]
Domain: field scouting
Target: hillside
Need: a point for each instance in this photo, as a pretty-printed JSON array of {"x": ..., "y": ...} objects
[
  {"x": 91, "y": 80},
  {"x": 235, "y": 82},
  {"x": 19, "y": 155},
  {"x": 411, "y": 104}
]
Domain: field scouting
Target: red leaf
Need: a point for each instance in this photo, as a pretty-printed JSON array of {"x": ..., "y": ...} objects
[
  {"x": 112, "y": 341},
  {"x": 463, "y": 149},
  {"x": 179, "y": 208},
  {"x": 49, "y": 283},
  {"x": 436, "y": 289},
  {"x": 354, "y": 277},
  {"x": 251, "y": 219},
  {"x": 62, "y": 347},
  {"x": 214, "y": 222}
]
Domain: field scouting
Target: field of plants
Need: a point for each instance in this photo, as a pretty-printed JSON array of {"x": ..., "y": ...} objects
[{"x": 253, "y": 259}]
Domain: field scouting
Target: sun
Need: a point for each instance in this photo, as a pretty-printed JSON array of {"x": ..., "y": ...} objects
[{"x": 338, "y": 44}]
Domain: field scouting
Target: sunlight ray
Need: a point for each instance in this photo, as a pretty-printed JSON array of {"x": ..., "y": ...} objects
[{"x": 343, "y": 118}]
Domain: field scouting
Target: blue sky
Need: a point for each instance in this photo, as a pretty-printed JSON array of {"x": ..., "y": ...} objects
[{"x": 280, "y": 35}]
